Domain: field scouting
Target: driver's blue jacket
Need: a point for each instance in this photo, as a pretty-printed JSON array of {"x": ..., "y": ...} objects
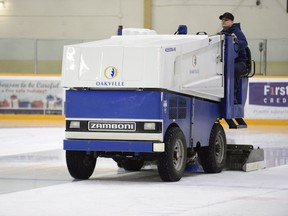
[{"x": 241, "y": 39}]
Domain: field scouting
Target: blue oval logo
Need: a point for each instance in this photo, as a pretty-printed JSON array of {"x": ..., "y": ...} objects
[{"x": 110, "y": 72}]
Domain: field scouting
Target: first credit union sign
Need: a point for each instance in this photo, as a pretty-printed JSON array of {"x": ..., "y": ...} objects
[{"x": 268, "y": 94}]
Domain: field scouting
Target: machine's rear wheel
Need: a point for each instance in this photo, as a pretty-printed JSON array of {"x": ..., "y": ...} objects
[
  {"x": 213, "y": 157},
  {"x": 118, "y": 161},
  {"x": 80, "y": 164},
  {"x": 172, "y": 162},
  {"x": 132, "y": 164}
]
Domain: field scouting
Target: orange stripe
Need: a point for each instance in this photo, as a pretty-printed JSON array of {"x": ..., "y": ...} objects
[
  {"x": 283, "y": 122},
  {"x": 32, "y": 117}
]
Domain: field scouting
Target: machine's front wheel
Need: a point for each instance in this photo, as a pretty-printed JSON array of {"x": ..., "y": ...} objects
[
  {"x": 213, "y": 157},
  {"x": 172, "y": 162},
  {"x": 80, "y": 164}
]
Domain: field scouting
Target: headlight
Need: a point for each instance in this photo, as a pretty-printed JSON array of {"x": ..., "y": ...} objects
[
  {"x": 149, "y": 126},
  {"x": 74, "y": 124}
]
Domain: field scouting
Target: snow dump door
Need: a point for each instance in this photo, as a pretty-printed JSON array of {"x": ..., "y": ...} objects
[{"x": 189, "y": 64}]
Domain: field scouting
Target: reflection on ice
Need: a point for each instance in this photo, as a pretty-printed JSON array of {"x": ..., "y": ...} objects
[{"x": 276, "y": 156}]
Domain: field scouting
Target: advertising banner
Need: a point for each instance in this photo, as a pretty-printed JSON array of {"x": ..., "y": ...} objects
[
  {"x": 267, "y": 98},
  {"x": 31, "y": 95}
]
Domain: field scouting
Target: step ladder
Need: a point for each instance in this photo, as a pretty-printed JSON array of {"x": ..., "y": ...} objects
[{"x": 236, "y": 123}]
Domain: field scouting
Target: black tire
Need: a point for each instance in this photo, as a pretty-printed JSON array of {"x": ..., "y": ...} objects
[
  {"x": 132, "y": 164},
  {"x": 171, "y": 164},
  {"x": 213, "y": 157},
  {"x": 80, "y": 165},
  {"x": 118, "y": 161}
]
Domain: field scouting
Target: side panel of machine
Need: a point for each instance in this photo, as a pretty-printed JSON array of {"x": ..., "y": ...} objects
[
  {"x": 177, "y": 111},
  {"x": 205, "y": 114}
]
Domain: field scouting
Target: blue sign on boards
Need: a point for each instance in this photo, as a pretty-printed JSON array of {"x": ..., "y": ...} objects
[{"x": 268, "y": 94}]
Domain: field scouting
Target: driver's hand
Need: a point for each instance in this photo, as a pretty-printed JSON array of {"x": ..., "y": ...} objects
[{"x": 233, "y": 35}]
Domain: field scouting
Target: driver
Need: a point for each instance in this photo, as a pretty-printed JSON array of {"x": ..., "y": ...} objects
[{"x": 234, "y": 29}]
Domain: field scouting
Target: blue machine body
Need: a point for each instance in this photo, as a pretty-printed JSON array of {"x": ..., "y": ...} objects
[{"x": 194, "y": 116}]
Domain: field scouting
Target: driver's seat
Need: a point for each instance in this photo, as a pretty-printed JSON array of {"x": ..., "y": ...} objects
[{"x": 248, "y": 70}]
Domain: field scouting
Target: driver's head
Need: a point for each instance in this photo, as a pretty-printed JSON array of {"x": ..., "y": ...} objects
[{"x": 227, "y": 20}]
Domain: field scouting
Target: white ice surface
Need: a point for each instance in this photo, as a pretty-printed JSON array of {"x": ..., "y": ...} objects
[
  {"x": 259, "y": 193},
  {"x": 26, "y": 140},
  {"x": 114, "y": 192}
]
